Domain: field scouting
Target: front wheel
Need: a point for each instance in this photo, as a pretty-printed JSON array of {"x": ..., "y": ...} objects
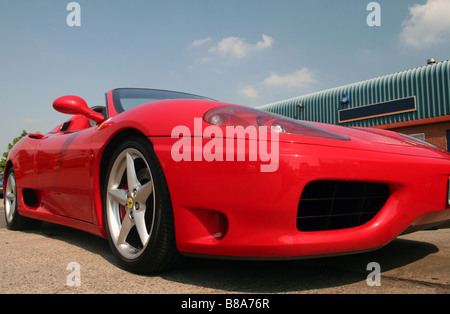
[{"x": 137, "y": 209}]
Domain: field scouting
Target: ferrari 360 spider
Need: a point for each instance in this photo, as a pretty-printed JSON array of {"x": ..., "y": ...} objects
[{"x": 163, "y": 174}]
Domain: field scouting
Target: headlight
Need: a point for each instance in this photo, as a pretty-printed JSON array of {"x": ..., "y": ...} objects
[{"x": 245, "y": 117}]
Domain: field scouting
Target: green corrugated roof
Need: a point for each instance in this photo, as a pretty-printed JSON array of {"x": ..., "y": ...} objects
[{"x": 428, "y": 84}]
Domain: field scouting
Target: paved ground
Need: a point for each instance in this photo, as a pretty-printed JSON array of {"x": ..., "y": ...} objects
[{"x": 37, "y": 262}]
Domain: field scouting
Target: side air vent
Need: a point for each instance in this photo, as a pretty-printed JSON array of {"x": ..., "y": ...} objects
[
  {"x": 31, "y": 198},
  {"x": 332, "y": 205}
]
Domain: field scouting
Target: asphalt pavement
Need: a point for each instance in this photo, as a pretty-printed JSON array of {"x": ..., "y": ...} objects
[{"x": 59, "y": 260}]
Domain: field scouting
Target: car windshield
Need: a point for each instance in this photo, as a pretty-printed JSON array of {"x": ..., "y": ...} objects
[{"x": 127, "y": 98}]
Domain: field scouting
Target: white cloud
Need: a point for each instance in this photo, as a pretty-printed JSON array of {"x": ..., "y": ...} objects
[
  {"x": 249, "y": 91},
  {"x": 200, "y": 42},
  {"x": 266, "y": 43},
  {"x": 302, "y": 78},
  {"x": 239, "y": 47},
  {"x": 427, "y": 25},
  {"x": 299, "y": 78}
]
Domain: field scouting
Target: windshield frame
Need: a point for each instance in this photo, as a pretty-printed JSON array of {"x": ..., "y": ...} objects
[{"x": 158, "y": 95}]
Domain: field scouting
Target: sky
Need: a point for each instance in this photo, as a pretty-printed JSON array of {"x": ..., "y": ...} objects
[{"x": 248, "y": 52}]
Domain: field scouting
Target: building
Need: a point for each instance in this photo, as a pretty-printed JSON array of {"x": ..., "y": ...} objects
[{"x": 414, "y": 102}]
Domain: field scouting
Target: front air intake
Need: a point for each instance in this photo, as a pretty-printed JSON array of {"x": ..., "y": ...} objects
[{"x": 332, "y": 205}]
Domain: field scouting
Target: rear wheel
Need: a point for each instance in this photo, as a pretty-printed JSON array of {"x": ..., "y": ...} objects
[
  {"x": 137, "y": 209},
  {"x": 14, "y": 221}
]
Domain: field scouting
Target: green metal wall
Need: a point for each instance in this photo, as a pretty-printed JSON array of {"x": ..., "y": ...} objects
[{"x": 429, "y": 84}]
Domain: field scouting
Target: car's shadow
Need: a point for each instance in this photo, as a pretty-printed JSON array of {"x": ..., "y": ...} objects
[
  {"x": 301, "y": 275},
  {"x": 264, "y": 277}
]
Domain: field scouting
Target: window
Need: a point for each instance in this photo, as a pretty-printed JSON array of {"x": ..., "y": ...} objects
[{"x": 420, "y": 136}]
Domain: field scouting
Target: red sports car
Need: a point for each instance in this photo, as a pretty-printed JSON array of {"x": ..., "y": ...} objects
[{"x": 163, "y": 174}]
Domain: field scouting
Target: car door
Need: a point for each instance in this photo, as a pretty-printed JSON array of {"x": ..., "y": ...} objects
[{"x": 63, "y": 169}]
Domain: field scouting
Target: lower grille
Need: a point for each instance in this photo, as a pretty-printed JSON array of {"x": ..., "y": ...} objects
[{"x": 332, "y": 205}]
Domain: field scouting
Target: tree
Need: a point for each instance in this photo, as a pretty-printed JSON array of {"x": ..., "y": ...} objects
[{"x": 10, "y": 146}]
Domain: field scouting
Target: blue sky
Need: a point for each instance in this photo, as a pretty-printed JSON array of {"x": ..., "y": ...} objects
[{"x": 250, "y": 52}]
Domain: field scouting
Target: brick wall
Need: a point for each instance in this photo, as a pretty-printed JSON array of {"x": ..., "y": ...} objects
[{"x": 435, "y": 133}]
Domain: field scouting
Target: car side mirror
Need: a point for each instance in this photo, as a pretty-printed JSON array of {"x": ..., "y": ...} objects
[{"x": 75, "y": 105}]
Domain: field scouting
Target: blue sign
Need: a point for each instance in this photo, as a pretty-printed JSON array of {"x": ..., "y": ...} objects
[{"x": 345, "y": 99}]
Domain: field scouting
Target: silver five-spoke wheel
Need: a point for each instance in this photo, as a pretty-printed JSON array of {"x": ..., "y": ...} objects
[
  {"x": 130, "y": 204},
  {"x": 137, "y": 209}
]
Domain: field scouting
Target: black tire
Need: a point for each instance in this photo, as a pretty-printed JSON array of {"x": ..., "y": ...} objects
[
  {"x": 14, "y": 221},
  {"x": 136, "y": 206}
]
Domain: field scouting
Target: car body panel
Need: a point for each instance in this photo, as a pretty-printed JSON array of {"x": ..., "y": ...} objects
[{"x": 63, "y": 168}]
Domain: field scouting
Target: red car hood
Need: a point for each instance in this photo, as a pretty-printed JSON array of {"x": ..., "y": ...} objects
[{"x": 378, "y": 140}]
